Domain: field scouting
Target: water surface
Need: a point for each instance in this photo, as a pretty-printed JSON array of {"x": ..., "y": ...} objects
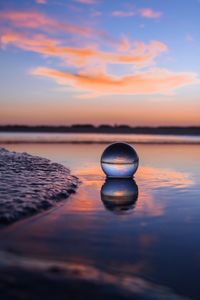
[
  {"x": 156, "y": 238},
  {"x": 100, "y": 138}
]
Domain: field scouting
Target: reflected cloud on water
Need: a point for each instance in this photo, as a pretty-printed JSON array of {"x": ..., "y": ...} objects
[
  {"x": 92, "y": 282},
  {"x": 119, "y": 195}
]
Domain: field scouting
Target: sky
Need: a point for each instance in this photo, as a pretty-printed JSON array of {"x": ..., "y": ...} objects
[{"x": 132, "y": 62}]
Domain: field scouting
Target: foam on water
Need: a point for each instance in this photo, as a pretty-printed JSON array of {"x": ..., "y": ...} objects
[{"x": 29, "y": 184}]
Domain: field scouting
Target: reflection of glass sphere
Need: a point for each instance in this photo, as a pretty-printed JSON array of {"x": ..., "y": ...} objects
[
  {"x": 119, "y": 160},
  {"x": 119, "y": 194}
]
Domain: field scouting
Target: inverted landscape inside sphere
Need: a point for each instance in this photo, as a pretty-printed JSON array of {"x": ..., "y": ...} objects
[{"x": 119, "y": 160}]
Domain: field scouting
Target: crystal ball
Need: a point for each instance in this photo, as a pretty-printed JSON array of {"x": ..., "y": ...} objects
[
  {"x": 119, "y": 160},
  {"x": 119, "y": 194}
]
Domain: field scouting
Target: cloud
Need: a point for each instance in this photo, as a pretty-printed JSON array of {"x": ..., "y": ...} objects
[
  {"x": 41, "y": 1},
  {"x": 124, "y": 44},
  {"x": 150, "y": 13},
  {"x": 155, "y": 81},
  {"x": 37, "y": 20},
  {"x": 88, "y": 2},
  {"x": 144, "y": 12},
  {"x": 36, "y": 43},
  {"x": 139, "y": 54},
  {"x": 93, "y": 78},
  {"x": 119, "y": 13},
  {"x": 33, "y": 32}
]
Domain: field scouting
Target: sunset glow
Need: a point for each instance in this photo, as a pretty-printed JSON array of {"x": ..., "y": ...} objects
[{"x": 87, "y": 61}]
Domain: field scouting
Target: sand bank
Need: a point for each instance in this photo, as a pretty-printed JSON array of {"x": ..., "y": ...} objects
[{"x": 30, "y": 184}]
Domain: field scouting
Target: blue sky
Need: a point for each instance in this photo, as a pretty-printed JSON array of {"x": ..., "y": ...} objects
[{"x": 98, "y": 61}]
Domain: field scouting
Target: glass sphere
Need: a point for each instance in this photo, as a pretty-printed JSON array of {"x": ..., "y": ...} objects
[
  {"x": 119, "y": 194},
  {"x": 119, "y": 160}
]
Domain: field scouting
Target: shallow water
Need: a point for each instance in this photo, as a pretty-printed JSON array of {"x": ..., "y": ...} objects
[
  {"x": 100, "y": 138},
  {"x": 155, "y": 237}
]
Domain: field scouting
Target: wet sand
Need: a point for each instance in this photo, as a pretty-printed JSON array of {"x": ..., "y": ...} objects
[{"x": 30, "y": 184}]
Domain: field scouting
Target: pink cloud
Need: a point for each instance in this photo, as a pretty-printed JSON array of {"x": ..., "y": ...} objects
[
  {"x": 150, "y": 13},
  {"x": 144, "y": 12},
  {"x": 37, "y": 20},
  {"x": 88, "y": 2},
  {"x": 41, "y": 1},
  {"x": 151, "y": 82}
]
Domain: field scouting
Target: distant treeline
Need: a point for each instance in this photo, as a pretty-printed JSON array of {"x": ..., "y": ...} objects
[{"x": 88, "y": 128}]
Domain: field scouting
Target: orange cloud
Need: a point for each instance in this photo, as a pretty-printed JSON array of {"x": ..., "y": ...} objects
[
  {"x": 140, "y": 54},
  {"x": 36, "y": 20},
  {"x": 154, "y": 81},
  {"x": 150, "y": 13},
  {"x": 38, "y": 43},
  {"x": 91, "y": 62}
]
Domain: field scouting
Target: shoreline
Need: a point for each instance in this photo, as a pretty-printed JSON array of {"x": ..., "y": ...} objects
[
  {"x": 101, "y": 142},
  {"x": 103, "y": 129},
  {"x": 7, "y": 138},
  {"x": 31, "y": 184}
]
